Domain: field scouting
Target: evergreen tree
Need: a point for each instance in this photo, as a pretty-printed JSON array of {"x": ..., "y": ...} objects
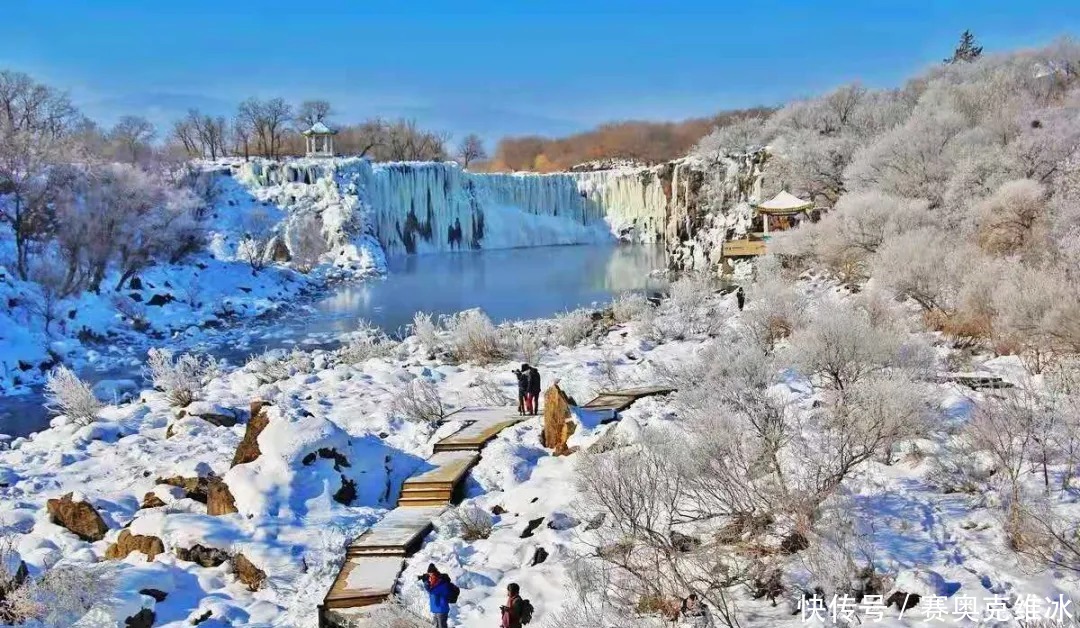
[{"x": 967, "y": 50}]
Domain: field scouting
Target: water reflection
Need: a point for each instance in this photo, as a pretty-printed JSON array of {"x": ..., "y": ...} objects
[{"x": 507, "y": 284}]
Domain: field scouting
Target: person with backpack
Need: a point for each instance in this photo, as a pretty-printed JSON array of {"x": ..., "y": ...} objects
[
  {"x": 523, "y": 387},
  {"x": 532, "y": 398},
  {"x": 695, "y": 614},
  {"x": 516, "y": 612},
  {"x": 441, "y": 594}
]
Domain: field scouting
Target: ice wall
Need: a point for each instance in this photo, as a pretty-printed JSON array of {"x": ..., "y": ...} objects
[{"x": 434, "y": 207}]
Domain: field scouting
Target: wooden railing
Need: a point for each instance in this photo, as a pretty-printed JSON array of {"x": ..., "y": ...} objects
[{"x": 743, "y": 248}]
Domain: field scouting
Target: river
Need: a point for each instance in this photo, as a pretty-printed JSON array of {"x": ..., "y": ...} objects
[{"x": 508, "y": 284}]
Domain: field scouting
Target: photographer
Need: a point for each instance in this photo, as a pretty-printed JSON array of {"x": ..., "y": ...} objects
[
  {"x": 439, "y": 592},
  {"x": 523, "y": 387}
]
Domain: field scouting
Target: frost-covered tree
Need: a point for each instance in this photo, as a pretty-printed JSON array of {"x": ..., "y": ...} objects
[
  {"x": 1013, "y": 218},
  {"x": 182, "y": 377},
  {"x": 267, "y": 120},
  {"x": 966, "y": 50}
]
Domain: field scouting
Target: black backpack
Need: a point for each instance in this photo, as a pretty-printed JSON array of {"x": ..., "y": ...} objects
[
  {"x": 526, "y": 611},
  {"x": 455, "y": 592}
]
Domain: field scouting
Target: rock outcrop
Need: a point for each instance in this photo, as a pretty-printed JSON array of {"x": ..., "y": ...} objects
[
  {"x": 248, "y": 573},
  {"x": 78, "y": 516},
  {"x": 127, "y": 543},
  {"x": 202, "y": 555},
  {"x": 219, "y": 500},
  {"x": 558, "y": 426},
  {"x": 248, "y": 449}
]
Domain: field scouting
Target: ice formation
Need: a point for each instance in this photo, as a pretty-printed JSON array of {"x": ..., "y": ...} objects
[{"x": 415, "y": 207}]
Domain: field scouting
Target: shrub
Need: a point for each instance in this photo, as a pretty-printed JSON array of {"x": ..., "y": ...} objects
[
  {"x": 61, "y": 596},
  {"x": 523, "y": 341},
  {"x": 473, "y": 522},
  {"x": 630, "y": 306},
  {"x": 274, "y": 366},
  {"x": 489, "y": 393},
  {"x": 182, "y": 380},
  {"x": 395, "y": 614},
  {"x": 367, "y": 342},
  {"x": 66, "y": 394},
  {"x": 419, "y": 402},
  {"x": 426, "y": 331},
  {"x": 473, "y": 337},
  {"x": 572, "y": 327}
]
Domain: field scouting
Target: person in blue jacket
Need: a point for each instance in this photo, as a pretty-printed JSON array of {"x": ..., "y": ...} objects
[{"x": 438, "y": 588}]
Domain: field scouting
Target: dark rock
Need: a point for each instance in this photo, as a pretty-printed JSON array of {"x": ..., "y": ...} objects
[
  {"x": 497, "y": 510},
  {"x": 201, "y": 618},
  {"x": 248, "y": 449},
  {"x": 202, "y": 555},
  {"x": 596, "y": 521},
  {"x": 683, "y": 542},
  {"x": 160, "y": 299},
  {"x": 794, "y": 543},
  {"x": 143, "y": 619},
  {"x": 531, "y": 528},
  {"x": 127, "y": 543},
  {"x": 159, "y": 596},
  {"x": 347, "y": 493},
  {"x": 135, "y": 283},
  {"x": 539, "y": 556},
  {"x": 248, "y": 573},
  {"x": 903, "y": 601},
  {"x": 78, "y": 517}
]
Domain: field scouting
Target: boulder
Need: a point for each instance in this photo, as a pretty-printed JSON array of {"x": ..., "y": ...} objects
[
  {"x": 248, "y": 449},
  {"x": 531, "y": 528},
  {"x": 161, "y": 299},
  {"x": 213, "y": 413},
  {"x": 202, "y": 555},
  {"x": 196, "y": 488},
  {"x": 558, "y": 427},
  {"x": 143, "y": 619},
  {"x": 78, "y": 516},
  {"x": 151, "y": 500},
  {"x": 127, "y": 543},
  {"x": 539, "y": 556},
  {"x": 116, "y": 390},
  {"x": 219, "y": 499},
  {"x": 157, "y": 594},
  {"x": 248, "y": 573},
  {"x": 562, "y": 521},
  {"x": 347, "y": 493}
]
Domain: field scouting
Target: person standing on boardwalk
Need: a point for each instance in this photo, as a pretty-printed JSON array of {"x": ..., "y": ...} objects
[
  {"x": 532, "y": 399},
  {"x": 523, "y": 387},
  {"x": 438, "y": 587}
]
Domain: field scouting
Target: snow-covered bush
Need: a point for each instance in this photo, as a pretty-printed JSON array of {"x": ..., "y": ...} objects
[
  {"x": 419, "y": 401},
  {"x": 689, "y": 310},
  {"x": 773, "y": 310},
  {"x": 472, "y": 523},
  {"x": 274, "y": 366},
  {"x": 426, "y": 331},
  {"x": 365, "y": 343},
  {"x": 181, "y": 379},
  {"x": 306, "y": 242},
  {"x": 62, "y": 595},
  {"x": 489, "y": 393},
  {"x": 66, "y": 394},
  {"x": 1013, "y": 219},
  {"x": 523, "y": 341},
  {"x": 630, "y": 306},
  {"x": 840, "y": 347},
  {"x": 473, "y": 337},
  {"x": 572, "y": 327}
]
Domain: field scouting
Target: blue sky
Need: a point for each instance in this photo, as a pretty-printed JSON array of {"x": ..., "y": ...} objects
[{"x": 495, "y": 67}]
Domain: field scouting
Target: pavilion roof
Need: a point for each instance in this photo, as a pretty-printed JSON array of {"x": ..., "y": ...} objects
[
  {"x": 319, "y": 129},
  {"x": 784, "y": 203}
]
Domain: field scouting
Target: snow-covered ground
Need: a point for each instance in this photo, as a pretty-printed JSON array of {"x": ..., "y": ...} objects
[{"x": 334, "y": 422}]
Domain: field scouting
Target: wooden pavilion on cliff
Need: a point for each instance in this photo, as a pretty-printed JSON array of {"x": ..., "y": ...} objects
[{"x": 780, "y": 213}]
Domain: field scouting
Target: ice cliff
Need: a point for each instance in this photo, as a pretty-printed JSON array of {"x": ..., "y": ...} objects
[{"x": 436, "y": 207}]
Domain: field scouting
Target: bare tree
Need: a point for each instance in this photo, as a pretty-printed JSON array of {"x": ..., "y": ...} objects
[
  {"x": 470, "y": 149},
  {"x": 241, "y": 136},
  {"x": 132, "y": 136},
  {"x": 312, "y": 111},
  {"x": 267, "y": 120},
  {"x": 407, "y": 142}
]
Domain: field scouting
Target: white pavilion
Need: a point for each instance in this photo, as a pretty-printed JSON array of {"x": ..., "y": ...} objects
[{"x": 320, "y": 140}]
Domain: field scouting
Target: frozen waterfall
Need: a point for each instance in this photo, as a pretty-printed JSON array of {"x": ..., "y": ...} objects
[{"x": 413, "y": 207}]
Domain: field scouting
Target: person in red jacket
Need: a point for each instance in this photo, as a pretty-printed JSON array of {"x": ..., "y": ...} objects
[{"x": 514, "y": 608}]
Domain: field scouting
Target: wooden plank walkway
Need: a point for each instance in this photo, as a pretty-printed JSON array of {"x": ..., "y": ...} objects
[
  {"x": 619, "y": 400},
  {"x": 486, "y": 425},
  {"x": 975, "y": 381},
  {"x": 375, "y": 559}
]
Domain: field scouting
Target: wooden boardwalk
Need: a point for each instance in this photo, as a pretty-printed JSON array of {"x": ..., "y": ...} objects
[
  {"x": 376, "y": 558},
  {"x": 619, "y": 400}
]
